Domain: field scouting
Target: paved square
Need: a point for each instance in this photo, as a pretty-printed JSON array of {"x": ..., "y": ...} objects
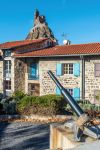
[{"x": 24, "y": 136}]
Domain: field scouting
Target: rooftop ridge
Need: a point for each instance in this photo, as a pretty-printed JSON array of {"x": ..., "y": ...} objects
[
  {"x": 79, "y": 44},
  {"x": 23, "y": 40},
  {"x": 14, "y": 44}
]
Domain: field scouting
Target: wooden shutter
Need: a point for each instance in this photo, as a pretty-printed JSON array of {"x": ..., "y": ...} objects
[
  {"x": 58, "y": 91},
  {"x": 33, "y": 70},
  {"x": 97, "y": 69},
  {"x": 59, "y": 69},
  {"x": 76, "y": 69},
  {"x": 76, "y": 93}
]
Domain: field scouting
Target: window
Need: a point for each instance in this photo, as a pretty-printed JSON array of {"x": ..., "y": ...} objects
[
  {"x": 7, "y": 71},
  {"x": 75, "y": 92},
  {"x": 7, "y": 53},
  {"x": 48, "y": 43},
  {"x": 58, "y": 92},
  {"x": 8, "y": 66},
  {"x": 70, "y": 91},
  {"x": 97, "y": 70},
  {"x": 33, "y": 89},
  {"x": 33, "y": 72},
  {"x": 97, "y": 94},
  {"x": 8, "y": 85},
  {"x": 68, "y": 68}
]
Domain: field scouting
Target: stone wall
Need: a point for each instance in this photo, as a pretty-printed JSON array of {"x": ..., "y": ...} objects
[
  {"x": 47, "y": 86},
  {"x": 92, "y": 83},
  {"x": 1, "y": 76},
  {"x": 19, "y": 74}
]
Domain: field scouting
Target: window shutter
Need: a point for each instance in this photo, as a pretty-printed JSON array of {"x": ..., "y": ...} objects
[
  {"x": 33, "y": 69},
  {"x": 97, "y": 70},
  {"x": 76, "y": 93},
  {"x": 37, "y": 69},
  {"x": 58, "y": 91},
  {"x": 59, "y": 69},
  {"x": 77, "y": 69}
]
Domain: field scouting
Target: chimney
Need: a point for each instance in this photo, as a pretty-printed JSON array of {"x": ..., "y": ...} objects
[{"x": 66, "y": 42}]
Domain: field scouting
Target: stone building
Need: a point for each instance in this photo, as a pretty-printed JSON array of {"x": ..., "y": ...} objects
[{"x": 24, "y": 65}]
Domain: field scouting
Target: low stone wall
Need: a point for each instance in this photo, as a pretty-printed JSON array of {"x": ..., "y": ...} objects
[{"x": 34, "y": 118}]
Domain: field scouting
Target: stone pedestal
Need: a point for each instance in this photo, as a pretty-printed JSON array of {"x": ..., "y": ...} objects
[{"x": 63, "y": 138}]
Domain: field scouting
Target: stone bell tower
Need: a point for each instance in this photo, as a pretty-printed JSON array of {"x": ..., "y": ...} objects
[{"x": 40, "y": 28}]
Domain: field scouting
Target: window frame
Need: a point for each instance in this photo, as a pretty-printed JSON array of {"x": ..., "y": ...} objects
[
  {"x": 96, "y": 91},
  {"x": 69, "y": 69},
  {"x": 71, "y": 91},
  {"x": 7, "y": 53},
  {"x": 7, "y": 66},
  {"x": 7, "y": 69},
  {"x": 8, "y": 85},
  {"x": 95, "y": 70},
  {"x": 29, "y": 69}
]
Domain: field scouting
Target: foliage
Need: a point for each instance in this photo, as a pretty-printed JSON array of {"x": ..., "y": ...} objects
[
  {"x": 9, "y": 105},
  {"x": 89, "y": 108},
  {"x": 97, "y": 97},
  {"x": 18, "y": 95},
  {"x": 86, "y": 105},
  {"x": 1, "y": 96},
  {"x": 48, "y": 104},
  {"x": 26, "y": 101},
  {"x": 26, "y": 104}
]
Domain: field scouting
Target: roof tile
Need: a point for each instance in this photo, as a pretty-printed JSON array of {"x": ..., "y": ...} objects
[
  {"x": 90, "y": 48},
  {"x": 14, "y": 44}
]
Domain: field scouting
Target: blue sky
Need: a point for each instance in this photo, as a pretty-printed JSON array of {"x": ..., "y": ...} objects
[{"x": 78, "y": 19}]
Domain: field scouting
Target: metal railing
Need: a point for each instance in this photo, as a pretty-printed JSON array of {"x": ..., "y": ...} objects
[{"x": 33, "y": 77}]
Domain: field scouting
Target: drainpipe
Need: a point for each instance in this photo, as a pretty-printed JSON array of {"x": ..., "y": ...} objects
[{"x": 83, "y": 77}]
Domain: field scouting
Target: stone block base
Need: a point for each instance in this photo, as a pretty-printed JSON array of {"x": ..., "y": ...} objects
[{"x": 62, "y": 138}]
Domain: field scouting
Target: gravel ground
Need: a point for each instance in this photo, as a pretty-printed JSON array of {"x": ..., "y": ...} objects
[{"x": 24, "y": 136}]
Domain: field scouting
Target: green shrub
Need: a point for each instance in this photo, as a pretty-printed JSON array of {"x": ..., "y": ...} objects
[
  {"x": 48, "y": 100},
  {"x": 48, "y": 104},
  {"x": 25, "y": 102},
  {"x": 87, "y": 106},
  {"x": 9, "y": 106},
  {"x": 18, "y": 95}
]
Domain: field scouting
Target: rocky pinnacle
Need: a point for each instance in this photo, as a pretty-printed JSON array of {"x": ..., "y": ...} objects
[{"x": 40, "y": 28}]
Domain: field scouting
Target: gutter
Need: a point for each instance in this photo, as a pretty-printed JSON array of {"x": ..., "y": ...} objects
[{"x": 83, "y": 77}]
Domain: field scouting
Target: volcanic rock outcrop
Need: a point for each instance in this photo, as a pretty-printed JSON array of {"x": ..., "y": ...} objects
[{"x": 40, "y": 29}]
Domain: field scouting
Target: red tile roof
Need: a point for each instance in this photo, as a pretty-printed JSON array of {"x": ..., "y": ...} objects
[
  {"x": 78, "y": 49},
  {"x": 14, "y": 44}
]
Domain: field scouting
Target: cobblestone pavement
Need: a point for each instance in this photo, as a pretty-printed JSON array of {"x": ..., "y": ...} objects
[{"x": 24, "y": 136}]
